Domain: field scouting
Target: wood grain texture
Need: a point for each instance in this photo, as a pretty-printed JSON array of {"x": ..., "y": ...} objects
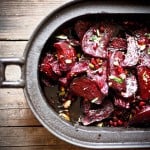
[
  {"x": 31, "y": 138},
  {"x": 12, "y": 98},
  {"x": 27, "y": 136},
  {"x": 29, "y": 7},
  {"x": 18, "y": 27},
  {"x": 63, "y": 147},
  {"x": 12, "y": 48},
  {"x": 18, "y": 117},
  {"x": 18, "y": 19}
]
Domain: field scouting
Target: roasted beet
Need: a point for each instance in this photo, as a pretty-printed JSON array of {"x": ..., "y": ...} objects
[
  {"x": 131, "y": 26},
  {"x": 100, "y": 77},
  {"x": 132, "y": 55},
  {"x": 118, "y": 44},
  {"x": 81, "y": 27},
  {"x": 50, "y": 67},
  {"x": 66, "y": 55},
  {"x": 78, "y": 68},
  {"x": 142, "y": 36},
  {"x": 144, "y": 82},
  {"x": 116, "y": 72},
  {"x": 145, "y": 57},
  {"x": 131, "y": 87},
  {"x": 96, "y": 39},
  {"x": 99, "y": 114},
  {"x": 141, "y": 118},
  {"x": 86, "y": 88},
  {"x": 63, "y": 81},
  {"x": 123, "y": 103}
]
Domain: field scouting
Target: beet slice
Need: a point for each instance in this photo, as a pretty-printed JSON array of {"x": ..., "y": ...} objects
[
  {"x": 86, "y": 88},
  {"x": 141, "y": 118},
  {"x": 96, "y": 39},
  {"x": 144, "y": 82},
  {"x": 117, "y": 44},
  {"x": 145, "y": 57},
  {"x": 116, "y": 72},
  {"x": 81, "y": 27},
  {"x": 66, "y": 55},
  {"x": 78, "y": 68},
  {"x": 100, "y": 77},
  {"x": 132, "y": 55},
  {"x": 99, "y": 114},
  {"x": 121, "y": 102},
  {"x": 50, "y": 67},
  {"x": 131, "y": 87}
]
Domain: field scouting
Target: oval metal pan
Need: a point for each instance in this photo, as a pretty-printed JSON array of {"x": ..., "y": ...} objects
[{"x": 89, "y": 137}]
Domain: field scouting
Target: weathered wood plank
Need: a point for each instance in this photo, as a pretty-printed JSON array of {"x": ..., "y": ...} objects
[
  {"x": 12, "y": 48},
  {"x": 18, "y": 19},
  {"x": 12, "y": 98},
  {"x": 28, "y": 8},
  {"x": 17, "y": 117},
  {"x": 18, "y": 27},
  {"x": 27, "y": 136},
  {"x": 56, "y": 147},
  {"x": 66, "y": 147}
]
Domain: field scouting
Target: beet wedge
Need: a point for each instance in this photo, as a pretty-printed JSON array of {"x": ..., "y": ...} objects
[
  {"x": 87, "y": 89},
  {"x": 66, "y": 55},
  {"x": 144, "y": 82},
  {"x": 96, "y": 39},
  {"x": 99, "y": 114},
  {"x": 141, "y": 118}
]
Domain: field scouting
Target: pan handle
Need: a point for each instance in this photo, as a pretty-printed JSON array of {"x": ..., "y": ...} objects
[{"x": 11, "y": 61}]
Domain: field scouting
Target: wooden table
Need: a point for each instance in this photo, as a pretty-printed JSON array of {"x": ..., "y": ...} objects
[{"x": 19, "y": 129}]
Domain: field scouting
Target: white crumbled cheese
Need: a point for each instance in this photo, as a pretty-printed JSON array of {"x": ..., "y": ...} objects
[
  {"x": 94, "y": 100},
  {"x": 123, "y": 75},
  {"x": 68, "y": 61}
]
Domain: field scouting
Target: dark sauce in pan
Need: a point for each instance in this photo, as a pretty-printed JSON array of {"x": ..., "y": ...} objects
[{"x": 123, "y": 104}]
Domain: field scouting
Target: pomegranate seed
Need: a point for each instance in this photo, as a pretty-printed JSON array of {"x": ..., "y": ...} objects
[
  {"x": 94, "y": 47},
  {"x": 96, "y": 66},
  {"x": 115, "y": 118},
  {"x": 141, "y": 103},
  {"x": 111, "y": 122},
  {"x": 120, "y": 122},
  {"x": 120, "y": 69},
  {"x": 115, "y": 124},
  {"x": 141, "y": 41},
  {"x": 93, "y": 61},
  {"x": 99, "y": 61}
]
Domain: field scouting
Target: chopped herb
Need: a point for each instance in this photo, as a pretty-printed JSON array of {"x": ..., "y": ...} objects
[
  {"x": 148, "y": 51},
  {"x": 95, "y": 38},
  {"x": 116, "y": 79},
  {"x": 148, "y": 35}
]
